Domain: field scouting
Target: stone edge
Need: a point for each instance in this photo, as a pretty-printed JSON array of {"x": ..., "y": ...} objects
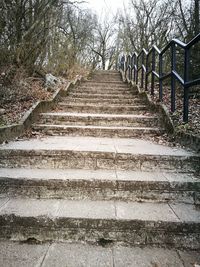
[
  {"x": 186, "y": 139},
  {"x": 12, "y": 131}
]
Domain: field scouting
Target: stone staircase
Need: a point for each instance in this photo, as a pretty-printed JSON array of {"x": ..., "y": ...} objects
[
  {"x": 93, "y": 177},
  {"x": 100, "y": 109}
]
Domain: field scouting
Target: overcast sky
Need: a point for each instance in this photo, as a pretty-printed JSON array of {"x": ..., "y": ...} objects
[{"x": 105, "y": 6}]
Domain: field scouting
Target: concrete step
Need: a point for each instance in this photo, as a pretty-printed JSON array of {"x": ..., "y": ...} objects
[
  {"x": 106, "y": 75},
  {"x": 175, "y": 225},
  {"x": 99, "y": 79},
  {"x": 105, "y": 83},
  {"x": 88, "y": 101},
  {"x": 100, "y": 93},
  {"x": 106, "y": 72},
  {"x": 106, "y": 88},
  {"x": 87, "y": 90},
  {"x": 82, "y": 254},
  {"x": 101, "y": 96},
  {"x": 96, "y": 131},
  {"x": 106, "y": 109},
  {"x": 86, "y": 119},
  {"x": 100, "y": 185},
  {"x": 97, "y": 153},
  {"x": 109, "y": 78}
]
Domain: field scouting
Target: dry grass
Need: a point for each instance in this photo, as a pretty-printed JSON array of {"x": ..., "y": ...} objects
[
  {"x": 19, "y": 92},
  {"x": 193, "y": 125}
]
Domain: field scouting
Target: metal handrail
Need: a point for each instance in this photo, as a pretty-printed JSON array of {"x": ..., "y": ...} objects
[{"x": 131, "y": 68}]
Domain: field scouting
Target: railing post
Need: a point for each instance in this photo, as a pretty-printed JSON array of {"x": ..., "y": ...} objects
[
  {"x": 129, "y": 69},
  {"x": 132, "y": 64},
  {"x": 125, "y": 67},
  {"x": 122, "y": 62},
  {"x": 186, "y": 89},
  {"x": 146, "y": 74},
  {"x": 153, "y": 69},
  {"x": 136, "y": 69},
  {"x": 173, "y": 81},
  {"x": 142, "y": 76},
  {"x": 160, "y": 78},
  {"x": 149, "y": 68},
  {"x": 135, "y": 65}
]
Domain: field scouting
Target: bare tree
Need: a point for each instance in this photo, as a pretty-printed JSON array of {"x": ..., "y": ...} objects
[
  {"x": 104, "y": 43},
  {"x": 147, "y": 23},
  {"x": 42, "y": 32}
]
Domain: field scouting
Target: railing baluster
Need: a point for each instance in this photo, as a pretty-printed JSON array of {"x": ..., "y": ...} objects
[
  {"x": 132, "y": 68},
  {"x": 173, "y": 81},
  {"x": 125, "y": 65},
  {"x": 160, "y": 78},
  {"x": 146, "y": 74},
  {"x": 137, "y": 60},
  {"x": 153, "y": 69},
  {"x": 186, "y": 89},
  {"x": 135, "y": 64},
  {"x": 142, "y": 75},
  {"x": 129, "y": 67},
  {"x": 132, "y": 65}
]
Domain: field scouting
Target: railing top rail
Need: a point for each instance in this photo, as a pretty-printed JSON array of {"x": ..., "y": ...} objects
[
  {"x": 178, "y": 42},
  {"x": 135, "y": 66},
  {"x": 143, "y": 51},
  {"x": 181, "y": 44},
  {"x": 193, "y": 41},
  {"x": 173, "y": 41},
  {"x": 135, "y": 54},
  {"x": 156, "y": 48}
]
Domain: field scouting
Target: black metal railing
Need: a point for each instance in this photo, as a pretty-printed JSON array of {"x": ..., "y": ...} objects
[{"x": 149, "y": 63}]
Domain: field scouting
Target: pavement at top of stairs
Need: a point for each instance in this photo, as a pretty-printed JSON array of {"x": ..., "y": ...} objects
[{"x": 13, "y": 254}]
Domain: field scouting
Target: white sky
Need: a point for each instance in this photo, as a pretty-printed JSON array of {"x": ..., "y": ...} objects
[{"x": 106, "y": 6}]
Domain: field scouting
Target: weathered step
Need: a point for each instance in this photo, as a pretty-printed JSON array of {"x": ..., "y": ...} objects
[
  {"x": 103, "y": 91},
  {"x": 97, "y": 131},
  {"x": 105, "y": 83},
  {"x": 97, "y": 153},
  {"x": 73, "y": 93},
  {"x": 99, "y": 185},
  {"x": 110, "y": 120},
  {"x": 175, "y": 225},
  {"x": 105, "y": 78},
  {"x": 86, "y": 101},
  {"x": 100, "y": 96},
  {"x": 92, "y": 108},
  {"x": 108, "y": 80},
  {"x": 105, "y": 88},
  {"x": 107, "y": 72}
]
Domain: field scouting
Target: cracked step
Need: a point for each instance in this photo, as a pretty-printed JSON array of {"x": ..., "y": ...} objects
[
  {"x": 103, "y": 90},
  {"x": 109, "y": 120},
  {"x": 96, "y": 131},
  {"x": 99, "y": 185},
  {"x": 105, "y": 83},
  {"x": 160, "y": 224},
  {"x": 97, "y": 153},
  {"x": 100, "y": 96},
  {"x": 88, "y": 101},
  {"x": 92, "y": 108}
]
